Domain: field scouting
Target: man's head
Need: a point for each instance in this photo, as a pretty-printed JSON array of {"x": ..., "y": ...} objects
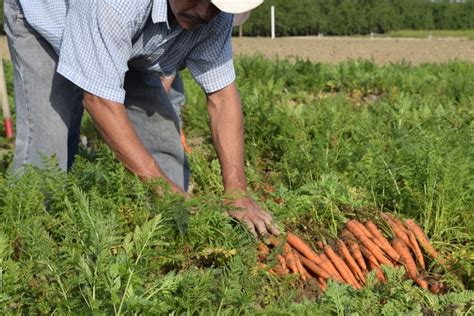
[{"x": 192, "y": 13}]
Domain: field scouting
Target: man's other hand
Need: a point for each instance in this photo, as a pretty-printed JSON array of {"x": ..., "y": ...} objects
[{"x": 258, "y": 221}]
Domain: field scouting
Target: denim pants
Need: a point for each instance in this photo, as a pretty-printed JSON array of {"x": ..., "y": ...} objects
[{"x": 49, "y": 107}]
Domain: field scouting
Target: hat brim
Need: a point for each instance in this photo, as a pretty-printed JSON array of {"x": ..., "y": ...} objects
[
  {"x": 236, "y": 6},
  {"x": 240, "y": 18}
]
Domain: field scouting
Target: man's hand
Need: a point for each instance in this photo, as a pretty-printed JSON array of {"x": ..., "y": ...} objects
[{"x": 255, "y": 218}]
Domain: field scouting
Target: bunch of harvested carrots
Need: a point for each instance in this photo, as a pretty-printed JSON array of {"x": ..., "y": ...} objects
[{"x": 361, "y": 248}]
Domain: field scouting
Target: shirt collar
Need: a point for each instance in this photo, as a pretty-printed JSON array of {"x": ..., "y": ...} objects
[{"x": 159, "y": 12}]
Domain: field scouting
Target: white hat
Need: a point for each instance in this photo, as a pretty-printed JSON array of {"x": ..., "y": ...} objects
[
  {"x": 236, "y": 6},
  {"x": 240, "y": 18}
]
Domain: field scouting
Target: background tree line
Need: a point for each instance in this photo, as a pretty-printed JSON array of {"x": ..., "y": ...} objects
[{"x": 351, "y": 17}]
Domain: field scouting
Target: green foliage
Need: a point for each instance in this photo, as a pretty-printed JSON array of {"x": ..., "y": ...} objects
[
  {"x": 351, "y": 17},
  {"x": 323, "y": 143}
]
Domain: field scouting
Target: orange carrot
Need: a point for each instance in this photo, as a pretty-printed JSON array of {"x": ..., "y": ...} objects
[
  {"x": 282, "y": 261},
  {"x": 416, "y": 250},
  {"x": 341, "y": 267},
  {"x": 378, "y": 272},
  {"x": 364, "y": 230},
  {"x": 369, "y": 244},
  {"x": 314, "y": 268},
  {"x": 408, "y": 262},
  {"x": 274, "y": 241},
  {"x": 262, "y": 251},
  {"x": 369, "y": 256},
  {"x": 290, "y": 258},
  {"x": 301, "y": 246},
  {"x": 404, "y": 234},
  {"x": 397, "y": 227},
  {"x": 301, "y": 270},
  {"x": 328, "y": 265},
  {"x": 382, "y": 241},
  {"x": 351, "y": 263},
  {"x": 357, "y": 254},
  {"x": 422, "y": 239}
]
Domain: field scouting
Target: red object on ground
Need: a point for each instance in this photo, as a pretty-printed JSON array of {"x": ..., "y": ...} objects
[{"x": 7, "y": 123}]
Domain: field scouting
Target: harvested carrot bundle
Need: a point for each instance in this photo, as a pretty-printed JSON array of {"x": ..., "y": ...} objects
[
  {"x": 405, "y": 235},
  {"x": 408, "y": 262},
  {"x": 382, "y": 241},
  {"x": 422, "y": 239},
  {"x": 351, "y": 263},
  {"x": 341, "y": 267},
  {"x": 354, "y": 228}
]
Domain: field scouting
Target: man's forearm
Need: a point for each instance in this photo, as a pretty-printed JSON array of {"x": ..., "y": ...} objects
[
  {"x": 226, "y": 120},
  {"x": 112, "y": 121}
]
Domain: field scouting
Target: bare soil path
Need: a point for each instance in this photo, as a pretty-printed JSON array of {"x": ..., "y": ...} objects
[{"x": 380, "y": 50}]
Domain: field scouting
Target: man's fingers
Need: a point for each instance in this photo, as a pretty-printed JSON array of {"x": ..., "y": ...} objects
[
  {"x": 250, "y": 225},
  {"x": 261, "y": 227},
  {"x": 273, "y": 230}
]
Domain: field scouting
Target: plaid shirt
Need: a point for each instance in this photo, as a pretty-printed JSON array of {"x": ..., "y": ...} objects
[{"x": 99, "y": 40}]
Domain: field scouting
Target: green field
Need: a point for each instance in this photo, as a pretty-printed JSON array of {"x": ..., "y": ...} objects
[
  {"x": 324, "y": 144},
  {"x": 434, "y": 33}
]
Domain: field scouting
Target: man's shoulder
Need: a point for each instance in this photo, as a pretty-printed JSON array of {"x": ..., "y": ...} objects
[
  {"x": 127, "y": 8},
  {"x": 221, "y": 22}
]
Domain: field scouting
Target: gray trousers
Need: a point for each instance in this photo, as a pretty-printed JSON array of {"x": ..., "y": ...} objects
[{"x": 49, "y": 107}]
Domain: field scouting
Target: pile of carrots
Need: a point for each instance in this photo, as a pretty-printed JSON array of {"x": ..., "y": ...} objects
[{"x": 360, "y": 249}]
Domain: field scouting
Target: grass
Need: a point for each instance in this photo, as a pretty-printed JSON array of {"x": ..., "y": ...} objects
[
  {"x": 434, "y": 33},
  {"x": 324, "y": 143}
]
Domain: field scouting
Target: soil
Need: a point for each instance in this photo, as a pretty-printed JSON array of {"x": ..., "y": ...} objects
[{"x": 380, "y": 50}]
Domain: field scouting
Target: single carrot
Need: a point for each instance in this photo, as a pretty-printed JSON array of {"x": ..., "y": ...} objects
[
  {"x": 290, "y": 258},
  {"x": 369, "y": 256},
  {"x": 408, "y": 262},
  {"x": 261, "y": 265},
  {"x": 262, "y": 251},
  {"x": 416, "y": 250},
  {"x": 278, "y": 270},
  {"x": 301, "y": 270},
  {"x": 351, "y": 263},
  {"x": 301, "y": 246},
  {"x": 320, "y": 272},
  {"x": 282, "y": 261},
  {"x": 329, "y": 266},
  {"x": 436, "y": 288},
  {"x": 357, "y": 254},
  {"x": 378, "y": 272},
  {"x": 383, "y": 242},
  {"x": 369, "y": 244},
  {"x": 274, "y": 241},
  {"x": 422, "y": 239},
  {"x": 341, "y": 267},
  {"x": 320, "y": 244}
]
